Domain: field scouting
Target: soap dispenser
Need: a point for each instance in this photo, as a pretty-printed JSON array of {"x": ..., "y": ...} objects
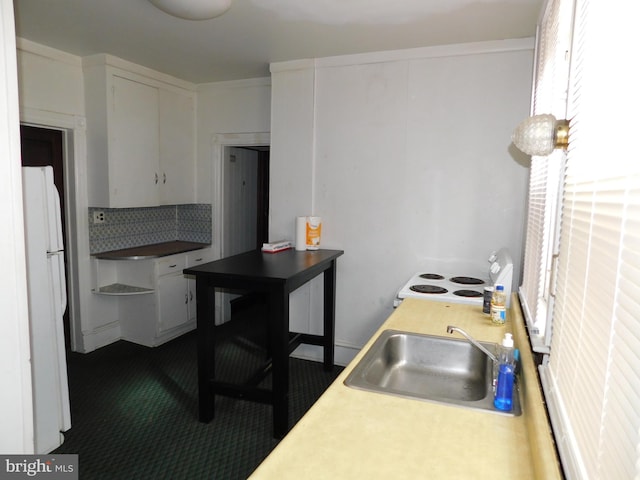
[{"x": 504, "y": 388}]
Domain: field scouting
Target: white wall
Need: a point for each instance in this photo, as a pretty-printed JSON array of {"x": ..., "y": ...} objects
[
  {"x": 50, "y": 80},
  {"x": 237, "y": 107},
  {"x": 292, "y": 146},
  {"x": 406, "y": 156}
]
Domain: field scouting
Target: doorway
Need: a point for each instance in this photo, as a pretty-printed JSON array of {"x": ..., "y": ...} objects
[
  {"x": 222, "y": 200},
  {"x": 41, "y": 147},
  {"x": 246, "y": 198},
  {"x": 245, "y": 174}
]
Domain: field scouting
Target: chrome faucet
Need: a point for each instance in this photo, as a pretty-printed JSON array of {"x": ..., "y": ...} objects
[{"x": 451, "y": 329}]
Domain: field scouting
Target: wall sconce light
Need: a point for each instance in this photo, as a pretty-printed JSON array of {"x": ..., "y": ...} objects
[
  {"x": 541, "y": 134},
  {"x": 193, "y": 9}
]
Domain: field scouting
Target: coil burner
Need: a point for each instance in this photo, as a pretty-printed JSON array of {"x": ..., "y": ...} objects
[{"x": 428, "y": 289}]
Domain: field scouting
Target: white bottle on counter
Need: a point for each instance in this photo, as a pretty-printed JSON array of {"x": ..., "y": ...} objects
[{"x": 499, "y": 306}]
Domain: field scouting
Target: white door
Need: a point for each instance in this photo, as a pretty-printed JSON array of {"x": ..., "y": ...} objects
[
  {"x": 240, "y": 200},
  {"x": 173, "y": 301},
  {"x": 135, "y": 177},
  {"x": 177, "y": 147}
]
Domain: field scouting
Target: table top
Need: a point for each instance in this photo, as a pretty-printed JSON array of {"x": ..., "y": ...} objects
[{"x": 257, "y": 266}]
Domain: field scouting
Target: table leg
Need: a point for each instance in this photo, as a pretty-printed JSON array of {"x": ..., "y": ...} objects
[
  {"x": 329, "y": 315},
  {"x": 279, "y": 344},
  {"x": 205, "y": 313}
]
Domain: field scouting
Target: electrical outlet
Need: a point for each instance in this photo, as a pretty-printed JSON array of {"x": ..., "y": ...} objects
[{"x": 98, "y": 217}]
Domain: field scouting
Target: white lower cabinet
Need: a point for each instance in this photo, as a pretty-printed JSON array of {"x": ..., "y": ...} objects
[
  {"x": 177, "y": 292},
  {"x": 167, "y": 307},
  {"x": 171, "y": 287},
  {"x": 172, "y": 298},
  {"x": 194, "y": 259}
]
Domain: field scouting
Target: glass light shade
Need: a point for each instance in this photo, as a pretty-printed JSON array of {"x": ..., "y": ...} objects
[
  {"x": 536, "y": 135},
  {"x": 193, "y": 9}
]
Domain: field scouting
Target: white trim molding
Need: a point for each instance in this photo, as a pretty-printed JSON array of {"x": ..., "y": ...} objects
[
  {"x": 476, "y": 48},
  {"x": 16, "y": 399}
]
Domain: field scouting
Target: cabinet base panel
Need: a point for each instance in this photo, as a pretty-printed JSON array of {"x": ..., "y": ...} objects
[{"x": 155, "y": 341}]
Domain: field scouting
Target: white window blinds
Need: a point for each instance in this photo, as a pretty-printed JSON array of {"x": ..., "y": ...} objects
[
  {"x": 592, "y": 380},
  {"x": 549, "y": 96}
]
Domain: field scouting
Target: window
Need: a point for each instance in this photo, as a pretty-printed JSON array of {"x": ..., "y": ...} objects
[
  {"x": 592, "y": 378},
  {"x": 550, "y": 96}
]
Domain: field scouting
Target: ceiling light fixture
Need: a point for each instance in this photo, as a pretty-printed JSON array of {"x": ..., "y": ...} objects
[
  {"x": 541, "y": 134},
  {"x": 193, "y": 9}
]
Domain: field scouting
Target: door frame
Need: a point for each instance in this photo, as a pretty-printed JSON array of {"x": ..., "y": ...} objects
[
  {"x": 219, "y": 142},
  {"x": 56, "y": 139},
  {"x": 74, "y": 147}
]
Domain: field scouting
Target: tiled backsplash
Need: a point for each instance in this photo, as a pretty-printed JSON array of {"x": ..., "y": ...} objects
[{"x": 134, "y": 227}]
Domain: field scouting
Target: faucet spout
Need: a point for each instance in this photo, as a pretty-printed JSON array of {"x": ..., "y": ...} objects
[{"x": 451, "y": 329}]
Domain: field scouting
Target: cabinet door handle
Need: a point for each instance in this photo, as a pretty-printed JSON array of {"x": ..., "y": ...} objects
[
  {"x": 190, "y": 295},
  {"x": 164, "y": 178},
  {"x": 186, "y": 299},
  {"x": 156, "y": 178}
]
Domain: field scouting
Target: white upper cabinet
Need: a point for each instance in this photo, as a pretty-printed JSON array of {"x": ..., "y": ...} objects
[
  {"x": 134, "y": 158},
  {"x": 140, "y": 136},
  {"x": 177, "y": 146}
]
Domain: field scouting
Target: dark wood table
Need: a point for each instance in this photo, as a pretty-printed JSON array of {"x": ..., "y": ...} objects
[{"x": 275, "y": 275}]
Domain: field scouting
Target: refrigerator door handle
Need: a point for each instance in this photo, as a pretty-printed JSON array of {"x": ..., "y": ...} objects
[
  {"x": 58, "y": 278},
  {"x": 54, "y": 215}
]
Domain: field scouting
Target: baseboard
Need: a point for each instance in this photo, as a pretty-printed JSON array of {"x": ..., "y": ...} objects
[
  {"x": 342, "y": 356},
  {"x": 100, "y": 337}
]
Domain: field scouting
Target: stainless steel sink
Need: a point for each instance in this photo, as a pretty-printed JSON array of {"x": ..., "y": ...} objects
[{"x": 430, "y": 368}]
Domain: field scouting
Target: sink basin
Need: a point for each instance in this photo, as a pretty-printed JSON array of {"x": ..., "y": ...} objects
[{"x": 430, "y": 368}]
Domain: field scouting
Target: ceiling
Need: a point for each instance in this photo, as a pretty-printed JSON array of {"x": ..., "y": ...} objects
[{"x": 253, "y": 33}]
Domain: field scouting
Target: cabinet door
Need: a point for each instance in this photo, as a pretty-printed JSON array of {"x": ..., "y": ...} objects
[
  {"x": 177, "y": 147},
  {"x": 192, "y": 310},
  {"x": 195, "y": 258},
  {"x": 133, "y": 145},
  {"x": 172, "y": 301}
]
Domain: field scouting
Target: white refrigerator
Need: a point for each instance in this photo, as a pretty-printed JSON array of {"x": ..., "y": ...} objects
[{"x": 47, "y": 303}]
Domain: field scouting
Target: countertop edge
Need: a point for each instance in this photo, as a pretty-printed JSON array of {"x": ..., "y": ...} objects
[
  {"x": 148, "y": 252},
  {"x": 544, "y": 456}
]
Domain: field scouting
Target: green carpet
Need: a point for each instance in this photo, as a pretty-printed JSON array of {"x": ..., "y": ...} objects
[{"x": 135, "y": 411}]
